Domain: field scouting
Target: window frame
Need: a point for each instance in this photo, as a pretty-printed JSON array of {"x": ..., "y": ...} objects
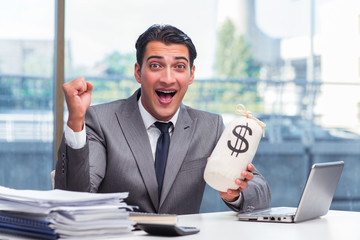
[{"x": 59, "y": 73}]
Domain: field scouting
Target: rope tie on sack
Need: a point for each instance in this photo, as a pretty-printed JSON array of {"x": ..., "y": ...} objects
[{"x": 241, "y": 110}]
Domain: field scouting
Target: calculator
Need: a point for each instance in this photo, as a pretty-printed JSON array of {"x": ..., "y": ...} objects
[{"x": 160, "y": 229}]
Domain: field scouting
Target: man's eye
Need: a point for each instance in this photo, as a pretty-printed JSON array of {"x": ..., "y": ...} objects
[
  {"x": 181, "y": 66},
  {"x": 154, "y": 65}
]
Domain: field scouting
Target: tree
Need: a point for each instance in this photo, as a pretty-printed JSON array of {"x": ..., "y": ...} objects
[
  {"x": 119, "y": 64},
  {"x": 233, "y": 55},
  {"x": 234, "y": 60}
]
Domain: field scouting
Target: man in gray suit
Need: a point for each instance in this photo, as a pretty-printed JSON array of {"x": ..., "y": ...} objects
[{"x": 112, "y": 147}]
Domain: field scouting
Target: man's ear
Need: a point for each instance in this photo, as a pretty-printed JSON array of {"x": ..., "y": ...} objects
[
  {"x": 137, "y": 72},
  {"x": 192, "y": 75}
]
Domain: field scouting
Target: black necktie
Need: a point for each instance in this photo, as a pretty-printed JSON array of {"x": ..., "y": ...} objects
[{"x": 162, "y": 149}]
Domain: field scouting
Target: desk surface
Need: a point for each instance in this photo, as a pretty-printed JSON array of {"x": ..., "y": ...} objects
[{"x": 223, "y": 225}]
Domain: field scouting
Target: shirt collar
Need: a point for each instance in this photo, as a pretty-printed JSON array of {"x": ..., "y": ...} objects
[{"x": 150, "y": 120}]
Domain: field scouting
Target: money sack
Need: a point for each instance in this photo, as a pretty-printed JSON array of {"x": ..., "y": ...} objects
[{"x": 235, "y": 149}]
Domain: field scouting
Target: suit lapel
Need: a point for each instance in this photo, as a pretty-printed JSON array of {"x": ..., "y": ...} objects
[
  {"x": 179, "y": 146},
  {"x": 135, "y": 133}
]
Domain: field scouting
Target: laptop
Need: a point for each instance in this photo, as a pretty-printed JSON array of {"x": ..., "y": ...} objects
[{"x": 315, "y": 200}]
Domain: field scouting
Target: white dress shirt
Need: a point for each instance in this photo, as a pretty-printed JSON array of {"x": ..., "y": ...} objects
[{"x": 152, "y": 131}]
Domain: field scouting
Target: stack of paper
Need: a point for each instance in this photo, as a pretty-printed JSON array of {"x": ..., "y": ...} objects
[{"x": 63, "y": 214}]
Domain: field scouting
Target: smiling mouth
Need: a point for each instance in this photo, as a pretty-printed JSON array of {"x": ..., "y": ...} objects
[{"x": 165, "y": 96}]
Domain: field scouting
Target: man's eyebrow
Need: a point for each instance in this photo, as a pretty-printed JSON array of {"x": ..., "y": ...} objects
[
  {"x": 155, "y": 56},
  {"x": 182, "y": 58},
  {"x": 160, "y": 57}
]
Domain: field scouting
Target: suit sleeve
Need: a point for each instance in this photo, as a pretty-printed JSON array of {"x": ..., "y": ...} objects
[
  {"x": 256, "y": 196},
  {"x": 82, "y": 169},
  {"x": 72, "y": 168}
]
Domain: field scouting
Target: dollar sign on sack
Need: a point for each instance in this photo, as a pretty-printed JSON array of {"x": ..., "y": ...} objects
[{"x": 244, "y": 144}]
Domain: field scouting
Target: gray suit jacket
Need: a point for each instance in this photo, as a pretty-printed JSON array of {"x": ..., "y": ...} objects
[{"x": 117, "y": 158}]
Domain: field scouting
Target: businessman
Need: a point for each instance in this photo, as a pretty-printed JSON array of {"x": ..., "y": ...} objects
[{"x": 150, "y": 145}]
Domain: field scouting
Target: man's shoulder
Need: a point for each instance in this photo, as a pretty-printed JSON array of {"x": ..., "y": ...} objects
[
  {"x": 196, "y": 113},
  {"x": 207, "y": 124},
  {"x": 108, "y": 105},
  {"x": 104, "y": 109},
  {"x": 116, "y": 105}
]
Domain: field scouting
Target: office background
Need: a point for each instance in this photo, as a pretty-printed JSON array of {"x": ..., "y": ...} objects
[{"x": 294, "y": 64}]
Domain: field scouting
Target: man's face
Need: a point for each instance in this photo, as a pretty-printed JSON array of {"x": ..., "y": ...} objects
[{"x": 164, "y": 77}]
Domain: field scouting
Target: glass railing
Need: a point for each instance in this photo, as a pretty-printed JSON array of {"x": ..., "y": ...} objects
[{"x": 292, "y": 141}]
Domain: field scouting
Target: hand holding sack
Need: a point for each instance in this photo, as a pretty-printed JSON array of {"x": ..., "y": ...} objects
[{"x": 235, "y": 149}]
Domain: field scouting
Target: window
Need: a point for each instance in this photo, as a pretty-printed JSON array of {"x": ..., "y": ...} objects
[
  {"x": 294, "y": 64},
  {"x": 26, "y": 93}
]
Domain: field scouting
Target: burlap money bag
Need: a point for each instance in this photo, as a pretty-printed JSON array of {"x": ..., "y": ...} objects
[{"x": 235, "y": 149}]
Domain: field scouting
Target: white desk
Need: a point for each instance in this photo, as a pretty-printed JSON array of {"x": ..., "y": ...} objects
[
  {"x": 223, "y": 225},
  {"x": 335, "y": 225}
]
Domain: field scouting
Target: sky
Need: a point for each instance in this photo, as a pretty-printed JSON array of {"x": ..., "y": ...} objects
[
  {"x": 96, "y": 28},
  {"x": 118, "y": 24}
]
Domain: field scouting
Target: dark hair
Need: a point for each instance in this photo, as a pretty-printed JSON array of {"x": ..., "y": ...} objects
[{"x": 166, "y": 34}]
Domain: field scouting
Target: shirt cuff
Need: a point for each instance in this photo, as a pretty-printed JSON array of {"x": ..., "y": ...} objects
[
  {"x": 237, "y": 202},
  {"x": 75, "y": 140}
]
